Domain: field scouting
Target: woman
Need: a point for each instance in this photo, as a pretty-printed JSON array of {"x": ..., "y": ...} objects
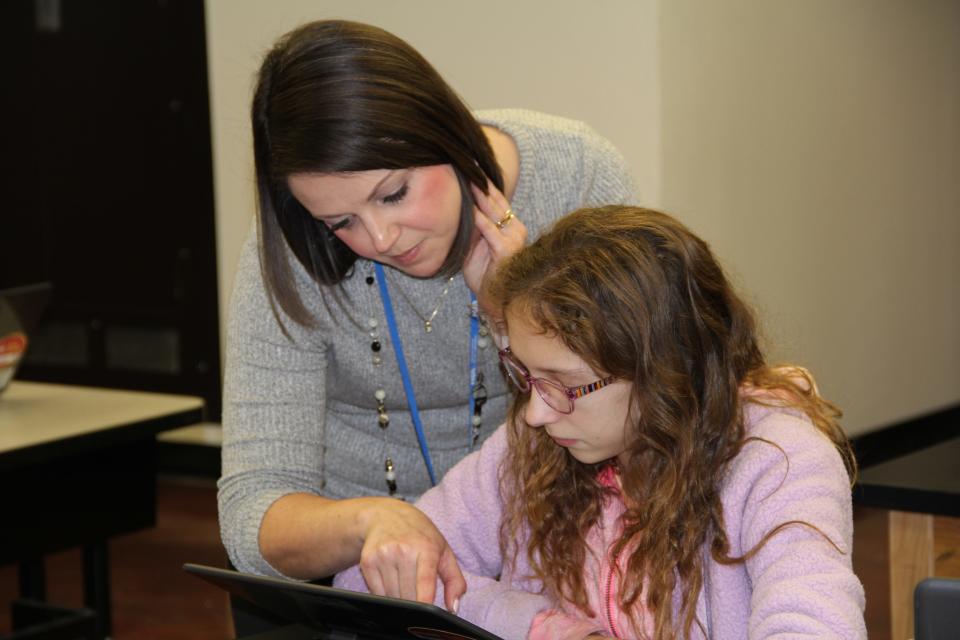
[
  {"x": 656, "y": 477},
  {"x": 383, "y": 204}
]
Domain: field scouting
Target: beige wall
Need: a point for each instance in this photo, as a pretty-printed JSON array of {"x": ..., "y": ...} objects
[{"x": 815, "y": 144}]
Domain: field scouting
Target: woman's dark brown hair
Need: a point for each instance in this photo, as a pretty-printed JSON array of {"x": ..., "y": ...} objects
[
  {"x": 638, "y": 296},
  {"x": 336, "y": 96}
]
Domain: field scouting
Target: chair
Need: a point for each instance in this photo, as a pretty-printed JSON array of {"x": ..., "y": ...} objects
[{"x": 936, "y": 603}]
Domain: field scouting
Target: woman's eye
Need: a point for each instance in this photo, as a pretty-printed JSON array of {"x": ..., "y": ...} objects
[
  {"x": 342, "y": 224},
  {"x": 397, "y": 195}
]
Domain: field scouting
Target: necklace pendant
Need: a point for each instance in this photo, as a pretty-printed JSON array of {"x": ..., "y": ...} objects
[
  {"x": 427, "y": 326},
  {"x": 390, "y": 475}
]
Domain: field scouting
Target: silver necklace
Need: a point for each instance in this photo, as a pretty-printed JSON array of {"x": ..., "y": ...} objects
[{"x": 428, "y": 319}]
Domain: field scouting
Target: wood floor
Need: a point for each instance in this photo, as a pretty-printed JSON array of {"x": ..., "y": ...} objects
[{"x": 154, "y": 599}]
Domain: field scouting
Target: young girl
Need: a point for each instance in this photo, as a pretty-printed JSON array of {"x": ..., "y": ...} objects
[{"x": 656, "y": 478}]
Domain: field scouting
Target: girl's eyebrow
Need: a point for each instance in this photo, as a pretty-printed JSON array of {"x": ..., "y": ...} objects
[
  {"x": 550, "y": 371},
  {"x": 565, "y": 372}
]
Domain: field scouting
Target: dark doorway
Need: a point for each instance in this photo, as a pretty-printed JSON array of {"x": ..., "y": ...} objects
[{"x": 108, "y": 191}]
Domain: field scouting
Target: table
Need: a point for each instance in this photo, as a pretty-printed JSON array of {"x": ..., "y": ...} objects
[
  {"x": 78, "y": 466},
  {"x": 916, "y": 488}
]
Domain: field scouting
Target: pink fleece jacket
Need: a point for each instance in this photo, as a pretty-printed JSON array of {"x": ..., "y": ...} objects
[{"x": 796, "y": 585}]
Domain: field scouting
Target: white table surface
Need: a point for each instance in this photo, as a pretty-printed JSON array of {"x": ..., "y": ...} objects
[{"x": 35, "y": 413}]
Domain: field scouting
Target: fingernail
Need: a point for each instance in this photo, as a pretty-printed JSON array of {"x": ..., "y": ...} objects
[{"x": 456, "y": 605}]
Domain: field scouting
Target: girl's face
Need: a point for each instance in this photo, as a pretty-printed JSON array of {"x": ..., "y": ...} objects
[
  {"x": 403, "y": 218},
  {"x": 597, "y": 428}
]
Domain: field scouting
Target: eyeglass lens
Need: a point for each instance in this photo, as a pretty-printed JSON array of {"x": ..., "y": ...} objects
[
  {"x": 555, "y": 396},
  {"x": 517, "y": 375}
]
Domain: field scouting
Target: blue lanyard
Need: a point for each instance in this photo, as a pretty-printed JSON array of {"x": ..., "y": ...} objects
[
  {"x": 405, "y": 373},
  {"x": 474, "y": 339}
]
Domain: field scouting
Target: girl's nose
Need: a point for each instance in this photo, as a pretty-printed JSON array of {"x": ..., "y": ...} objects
[{"x": 537, "y": 412}]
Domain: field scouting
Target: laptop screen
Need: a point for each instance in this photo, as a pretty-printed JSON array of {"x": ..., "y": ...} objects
[{"x": 20, "y": 311}]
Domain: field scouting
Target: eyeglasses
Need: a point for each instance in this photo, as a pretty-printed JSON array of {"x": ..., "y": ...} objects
[{"x": 557, "y": 396}]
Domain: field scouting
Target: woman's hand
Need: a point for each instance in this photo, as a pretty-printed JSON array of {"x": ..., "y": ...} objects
[
  {"x": 501, "y": 235},
  {"x": 403, "y": 553}
]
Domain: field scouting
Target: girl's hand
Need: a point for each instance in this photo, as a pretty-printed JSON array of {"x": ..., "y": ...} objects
[
  {"x": 495, "y": 243},
  {"x": 403, "y": 554}
]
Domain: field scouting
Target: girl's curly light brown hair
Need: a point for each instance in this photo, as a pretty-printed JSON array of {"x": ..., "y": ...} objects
[{"x": 638, "y": 296}]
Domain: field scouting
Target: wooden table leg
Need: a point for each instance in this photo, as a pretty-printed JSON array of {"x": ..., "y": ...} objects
[{"x": 911, "y": 560}]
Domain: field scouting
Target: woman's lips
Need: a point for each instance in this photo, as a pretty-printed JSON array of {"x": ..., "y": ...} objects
[
  {"x": 563, "y": 442},
  {"x": 408, "y": 257}
]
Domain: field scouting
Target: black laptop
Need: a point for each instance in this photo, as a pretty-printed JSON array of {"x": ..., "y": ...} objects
[
  {"x": 338, "y": 614},
  {"x": 20, "y": 311}
]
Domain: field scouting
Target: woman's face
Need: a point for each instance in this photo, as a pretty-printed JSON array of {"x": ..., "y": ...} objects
[
  {"x": 404, "y": 218},
  {"x": 597, "y": 428}
]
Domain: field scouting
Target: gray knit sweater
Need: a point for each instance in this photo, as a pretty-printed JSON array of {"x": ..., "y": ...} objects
[{"x": 300, "y": 416}]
